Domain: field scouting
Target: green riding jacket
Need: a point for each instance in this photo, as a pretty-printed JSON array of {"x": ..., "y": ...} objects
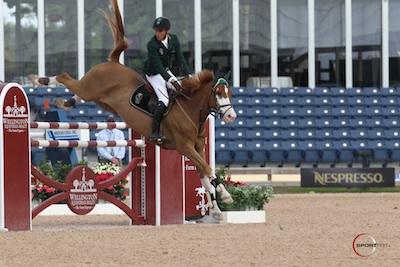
[{"x": 160, "y": 59}]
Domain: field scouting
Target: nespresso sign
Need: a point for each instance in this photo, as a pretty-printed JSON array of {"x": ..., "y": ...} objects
[{"x": 347, "y": 177}]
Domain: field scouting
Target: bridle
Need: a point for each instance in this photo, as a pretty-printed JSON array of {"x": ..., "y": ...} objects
[{"x": 216, "y": 111}]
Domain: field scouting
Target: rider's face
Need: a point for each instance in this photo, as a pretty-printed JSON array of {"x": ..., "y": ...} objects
[{"x": 160, "y": 34}]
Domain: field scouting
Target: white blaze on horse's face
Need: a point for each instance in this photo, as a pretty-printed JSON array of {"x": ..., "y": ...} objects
[{"x": 224, "y": 102}]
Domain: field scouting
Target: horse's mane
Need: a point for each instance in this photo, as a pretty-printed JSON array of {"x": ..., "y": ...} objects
[
  {"x": 117, "y": 27},
  {"x": 191, "y": 85}
]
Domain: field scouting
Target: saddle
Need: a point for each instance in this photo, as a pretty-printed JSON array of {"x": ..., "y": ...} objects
[{"x": 144, "y": 98}]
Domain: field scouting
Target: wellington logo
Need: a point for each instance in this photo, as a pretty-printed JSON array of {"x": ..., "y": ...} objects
[
  {"x": 83, "y": 186},
  {"x": 15, "y": 111},
  {"x": 83, "y": 192}
]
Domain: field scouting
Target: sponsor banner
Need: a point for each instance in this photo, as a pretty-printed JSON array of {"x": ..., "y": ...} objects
[{"x": 347, "y": 177}]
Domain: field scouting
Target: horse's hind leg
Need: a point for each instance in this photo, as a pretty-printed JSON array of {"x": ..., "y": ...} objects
[{"x": 69, "y": 82}]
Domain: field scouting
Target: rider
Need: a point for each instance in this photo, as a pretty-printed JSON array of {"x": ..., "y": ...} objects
[{"x": 164, "y": 55}]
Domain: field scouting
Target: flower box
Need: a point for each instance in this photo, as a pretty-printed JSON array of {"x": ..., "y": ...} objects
[{"x": 248, "y": 216}]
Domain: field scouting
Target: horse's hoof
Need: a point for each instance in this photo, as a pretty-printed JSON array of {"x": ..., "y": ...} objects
[
  {"x": 44, "y": 80},
  {"x": 59, "y": 102},
  {"x": 227, "y": 199},
  {"x": 217, "y": 216}
]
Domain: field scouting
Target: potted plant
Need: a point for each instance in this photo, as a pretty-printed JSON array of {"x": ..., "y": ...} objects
[{"x": 248, "y": 200}]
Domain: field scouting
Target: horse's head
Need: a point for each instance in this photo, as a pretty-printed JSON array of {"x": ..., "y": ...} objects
[
  {"x": 223, "y": 104},
  {"x": 218, "y": 94}
]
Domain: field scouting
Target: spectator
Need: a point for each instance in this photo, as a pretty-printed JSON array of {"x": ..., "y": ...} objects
[{"x": 110, "y": 154}]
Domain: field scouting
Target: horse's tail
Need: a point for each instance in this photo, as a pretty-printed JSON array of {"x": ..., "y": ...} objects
[{"x": 117, "y": 27}]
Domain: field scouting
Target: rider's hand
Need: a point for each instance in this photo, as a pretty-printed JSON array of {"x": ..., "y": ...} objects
[{"x": 177, "y": 85}]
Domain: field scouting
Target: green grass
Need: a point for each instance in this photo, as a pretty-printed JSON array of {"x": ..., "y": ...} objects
[{"x": 297, "y": 190}]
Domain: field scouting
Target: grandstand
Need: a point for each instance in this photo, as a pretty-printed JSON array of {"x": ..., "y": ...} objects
[{"x": 289, "y": 127}]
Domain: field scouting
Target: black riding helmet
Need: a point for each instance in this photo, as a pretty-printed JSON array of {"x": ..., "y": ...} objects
[{"x": 162, "y": 23}]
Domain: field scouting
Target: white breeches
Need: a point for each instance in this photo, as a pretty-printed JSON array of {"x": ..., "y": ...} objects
[{"x": 160, "y": 86}]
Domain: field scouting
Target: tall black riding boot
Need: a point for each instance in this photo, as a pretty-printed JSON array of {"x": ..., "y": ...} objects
[{"x": 157, "y": 116}]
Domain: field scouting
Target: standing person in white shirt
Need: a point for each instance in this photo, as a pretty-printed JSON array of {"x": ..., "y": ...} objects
[{"x": 111, "y": 154}]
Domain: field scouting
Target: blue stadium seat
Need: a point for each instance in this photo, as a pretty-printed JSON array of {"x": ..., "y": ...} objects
[
  {"x": 374, "y": 111},
  {"x": 289, "y": 122},
  {"x": 323, "y": 111},
  {"x": 376, "y": 133},
  {"x": 392, "y": 121},
  {"x": 255, "y": 122},
  {"x": 240, "y": 152},
  {"x": 322, "y": 91},
  {"x": 293, "y": 152},
  {"x": 325, "y": 133},
  {"x": 271, "y": 100},
  {"x": 276, "y": 153},
  {"x": 241, "y": 110},
  {"x": 289, "y": 111},
  {"x": 391, "y": 111},
  {"x": 256, "y": 134},
  {"x": 324, "y": 122},
  {"x": 307, "y": 100},
  {"x": 389, "y": 91},
  {"x": 341, "y": 133},
  {"x": 375, "y": 121},
  {"x": 271, "y": 91},
  {"x": 340, "y": 111},
  {"x": 241, "y": 123},
  {"x": 359, "y": 122},
  {"x": 258, "y": 152},
  {"x": 311, "y": 154},
  {"x": 241, "y": 91},
  {"x": 288, "y": 134},
  {"x": 356, "y": 101},
  {"x": 322, "y": 101},
  {"x": 392, "y": 133},
  {"x": 239, "y": 100},
  {"x": 305, "y": 111},
  {"x": 370, "y": 91},
  {"x": 289, "y": 101},
  {"x": 237, "y": 133},
  {"x": 394, "y": 146},
  {"x": 256, "y": 111},
  {"x": 353, "y": 91},
  {"x": 295, "y": 91},
  {"x": 373, "y": 101},
  {"x": 307, "y": 122},
  {"x": 307, "y": 133},
  {"x": 255, "y": 101},
  {"x": 359, "y": 133},
  {"x": 273, "y": 111},
  {"x": 223, "y": 153},
  {"x": 328, "y": 153},
  {"x": 340, "y": 122},
  {"x": 339, "y": 100},
  {"x": 271, "y": 122},
  {"x": 389, "y": 101},
  {"x": 336, "y": 91},
  {"x": 380, "y": 151},
  {"x": 272, "y": 134},
  {"x": 345, "y": 151},
  {"x": 264, "y": 91}
]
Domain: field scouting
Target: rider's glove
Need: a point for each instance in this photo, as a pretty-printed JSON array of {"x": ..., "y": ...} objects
[{"x": 176, "y": 84}]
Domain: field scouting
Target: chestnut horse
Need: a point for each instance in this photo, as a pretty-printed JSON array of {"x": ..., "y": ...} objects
[{"x": 111, "y": 85}]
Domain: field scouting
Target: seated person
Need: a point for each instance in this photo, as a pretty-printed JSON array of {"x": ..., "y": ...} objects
[{"x": 111, "y": 154}]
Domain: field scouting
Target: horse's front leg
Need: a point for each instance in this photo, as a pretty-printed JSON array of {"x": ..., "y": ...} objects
[
  {"x": 204, "y": 171},
  {"x": 224, "y": 194}
]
